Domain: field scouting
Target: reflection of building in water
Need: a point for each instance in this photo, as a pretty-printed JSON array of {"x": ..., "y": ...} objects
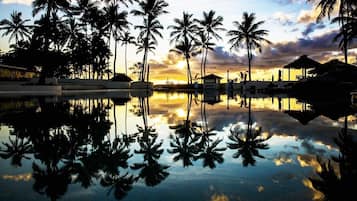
[{"x": 212, "y": 97}]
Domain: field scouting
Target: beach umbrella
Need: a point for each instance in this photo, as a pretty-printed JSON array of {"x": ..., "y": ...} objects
[{"x": 303, "y": 62}]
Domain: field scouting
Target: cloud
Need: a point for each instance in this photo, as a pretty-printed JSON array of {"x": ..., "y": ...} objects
[
  {"x": 307, "y": 16},
  {"x": 25, "y": 2},
  {"x": 311, "y": 27},
  {"x": 321, "y": 48},
  {"x": 221, "y": 57},
  {"x": 287, "y": 2},
  {"x": 283, "y": 18}
]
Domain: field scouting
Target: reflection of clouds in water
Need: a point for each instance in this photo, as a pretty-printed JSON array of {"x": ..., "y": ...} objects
[
  {"x": 310, "y": 148},
  {"x": 316, "y": 195},
  {"x": 309, "y": 161},
  {"x": 283, "y": 158},
  {"x": 219, "y": 197},
  {"x": 20, "y": 177},
  {"x": 260, "y": 188}
]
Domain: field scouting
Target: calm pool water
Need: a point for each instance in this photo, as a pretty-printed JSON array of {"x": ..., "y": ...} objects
[{"x": 176, "y": 147}]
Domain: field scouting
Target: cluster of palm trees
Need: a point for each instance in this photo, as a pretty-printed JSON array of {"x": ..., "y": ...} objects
[
  {"x": 346, "y": 18},
  {"x": 82, "y": 31},
  {"x": 194, "y": 36}
]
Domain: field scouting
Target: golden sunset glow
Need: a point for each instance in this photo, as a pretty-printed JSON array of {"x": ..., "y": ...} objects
[{"x": 181, "y": 65}]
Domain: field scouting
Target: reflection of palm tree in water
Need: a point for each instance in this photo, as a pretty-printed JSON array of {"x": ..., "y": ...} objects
[
  {"x": 151, "y": 170},
  {"x": 183, "y": 143},
  {"x": 339, "y": 183},
  {"x": 208, "y": 150},
  {"x": 247, "y": 141},
  {"x": 16, "y": 149}
]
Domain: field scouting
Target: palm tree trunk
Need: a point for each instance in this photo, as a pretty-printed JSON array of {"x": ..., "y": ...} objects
[
  {"x": 202, "y": 60},
  {"x": 249, "y": 65},
  {"x": 204, "y": 64},
  {"x": 115, "y": 122},
  {"x": 126, "y": 59},
  {"x": 115, "y": 56},
  {"x": 143, "y": 73},
  {"x": 189, "y": 71}
]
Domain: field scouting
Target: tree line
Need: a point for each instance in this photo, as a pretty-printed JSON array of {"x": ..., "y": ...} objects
[{"x": 73, "y": 38}]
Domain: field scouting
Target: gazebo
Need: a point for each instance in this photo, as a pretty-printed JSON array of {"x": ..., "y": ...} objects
[{"x": 304, "y": 63}]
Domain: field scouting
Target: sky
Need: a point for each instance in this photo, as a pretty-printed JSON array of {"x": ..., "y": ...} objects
[{"x": 292, "y": 27}]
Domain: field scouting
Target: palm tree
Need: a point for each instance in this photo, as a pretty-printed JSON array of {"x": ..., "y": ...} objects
[
  {"x": 188, "y": 49},
  {"x": 210, "y": 25},
  {"x": 51, "y": 7},
  {"x": 126, "y": 39},
  {"x": 204, "y": 44},
  {"x": 247, "y": 34},
  {"x": 15, "y": 27},
  {"x": 345, "y": 10},
  {"x": 150, "y": 10},
  {"x": 116, "y": 22},
  {"x": 184, "y": 29}
]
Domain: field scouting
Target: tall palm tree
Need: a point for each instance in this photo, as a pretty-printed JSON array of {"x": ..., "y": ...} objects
[
  {"x": 150, "y": 10},
  {"x": 345, "y": 10},
  {"x": 204, "y": 44},
  {"x": 210, "y": 26},
  {"x": 15, "y": 27},
  {"x": 126, "y": 39},
  {"x": 147, "y": 42},
  {"x": 183, "y": 34},
  {"x": 50, "y": 7},
  {"x": 184, "y": 28},
  {"x": 247, "y": 34},
  {"x": 117, "y": 22},
  {"x": 188, "y": 49}
]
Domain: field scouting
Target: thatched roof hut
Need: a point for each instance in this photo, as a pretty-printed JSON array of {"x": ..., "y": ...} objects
[{"x": 303, "y": 62}]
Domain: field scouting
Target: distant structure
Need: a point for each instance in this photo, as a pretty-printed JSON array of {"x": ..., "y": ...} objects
[
  {"x": 304, "y": 63},
  {"x": 211, "y": 81},
  {"x": 8, "y": 72}
]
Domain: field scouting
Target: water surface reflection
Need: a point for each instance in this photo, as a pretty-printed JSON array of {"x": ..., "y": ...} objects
[{"x": 178, "y": 146}]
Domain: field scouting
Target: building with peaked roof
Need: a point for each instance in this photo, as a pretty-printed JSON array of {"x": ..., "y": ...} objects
[{"x": 211, "y": 81}]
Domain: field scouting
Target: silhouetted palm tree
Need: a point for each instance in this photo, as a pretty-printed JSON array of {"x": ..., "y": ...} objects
[
  {"x": 150, "y": 10},
  {"x": 116, "y": 23},
  {"x": 184, "y": 29},
  {"x": 15, "y": 27},
  {"x": 126, "y": 39},
  {"x": 210, "y": 25},
  {"x": 344, "y": 8},
  {"x": 188, "y": 49},
  {"x": 247, "y": 34},
  {"x": 203, "y": 44},
  {"x": 50, "y": 7}
]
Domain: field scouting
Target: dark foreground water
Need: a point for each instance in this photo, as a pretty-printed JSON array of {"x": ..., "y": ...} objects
[{"x": 177, "y": 147}]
